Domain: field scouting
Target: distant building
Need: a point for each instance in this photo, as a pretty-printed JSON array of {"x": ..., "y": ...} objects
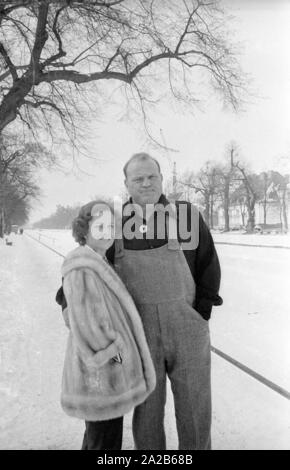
[{"x": 238, "y": 213}]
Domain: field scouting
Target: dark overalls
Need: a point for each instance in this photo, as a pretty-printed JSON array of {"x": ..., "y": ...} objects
[{"x": 163, "y": 289}]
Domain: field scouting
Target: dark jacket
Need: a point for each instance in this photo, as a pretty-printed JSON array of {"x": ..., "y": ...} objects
[{"x": 202, "y": 260}]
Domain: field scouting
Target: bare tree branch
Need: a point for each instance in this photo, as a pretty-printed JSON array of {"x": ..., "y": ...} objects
[
  {"x": 41, "y": 37},
  {"x": 61, "y": 52},
  {"x": 38, "y": 104},
  {"x": 8, "y": 62},
  {"x": 6, "y": 74},
  {"x": 185, "y": 32},
  {"x": 109, "y": 40}
]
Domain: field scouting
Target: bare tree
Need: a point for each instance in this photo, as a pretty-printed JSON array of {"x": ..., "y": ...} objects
[
  {"x": 280, "y": 188},
  {"x": 55, "y": 56},
  {"x": 266, "y": 184},
  {"x": 238, "y": 198},
  {"x": 206, "y": 183},
  {"x": 251, "y": 184},
  {"x": 61, "y": 219},
  {"x": 18, "y": 164},
  {"x": 18, "y": 211},
  {"x": 226, "y": 183},
  {"x": 15, "y": 205}
]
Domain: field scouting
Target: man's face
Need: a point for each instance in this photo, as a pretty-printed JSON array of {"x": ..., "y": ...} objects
[{"x": 144, "y": 182}]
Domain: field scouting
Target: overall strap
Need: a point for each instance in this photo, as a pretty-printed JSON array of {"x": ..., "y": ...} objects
[{"x": 171, "y": 227}]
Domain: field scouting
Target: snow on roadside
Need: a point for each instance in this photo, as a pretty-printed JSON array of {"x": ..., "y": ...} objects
[
  {"x": 253, "y": 324},
  {"x": 246, "y": 415},
  {"x": 32, "y": 342},
  {"x": 253, "y": 238},
  {"x": 64, "y": 240}
]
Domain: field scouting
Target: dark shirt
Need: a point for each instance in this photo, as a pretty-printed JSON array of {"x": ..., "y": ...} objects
[{"x": 202, "y": 259}]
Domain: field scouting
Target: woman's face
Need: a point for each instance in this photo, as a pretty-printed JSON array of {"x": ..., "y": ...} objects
[{"x": 101, "y": 228}]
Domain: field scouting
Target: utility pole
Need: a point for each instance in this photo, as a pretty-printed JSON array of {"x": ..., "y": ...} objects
[{"x": 174, "y": 195}]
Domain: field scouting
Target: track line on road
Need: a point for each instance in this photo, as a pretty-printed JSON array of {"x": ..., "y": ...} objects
[
  {"x": 44, "y": 244},
  {"x": 260, "y": 378},
  {"x": 252, "y": 373}
]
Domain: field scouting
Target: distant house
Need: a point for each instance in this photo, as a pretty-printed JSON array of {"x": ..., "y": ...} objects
[
  {"x": 274, "y": 213},
  {"x": 238, "y": 212}
]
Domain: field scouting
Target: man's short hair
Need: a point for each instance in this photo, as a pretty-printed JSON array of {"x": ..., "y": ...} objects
[{"x": 140, "y": 157}]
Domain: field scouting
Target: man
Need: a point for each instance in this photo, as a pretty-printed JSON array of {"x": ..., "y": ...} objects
[{"x": 174, "y": 291}]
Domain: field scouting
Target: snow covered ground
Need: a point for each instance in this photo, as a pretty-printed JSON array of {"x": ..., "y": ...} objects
[
  {"x": 281, "y": 240},
  {"x": 252, "y": 326},
  {"x": 63, "y": 240}
]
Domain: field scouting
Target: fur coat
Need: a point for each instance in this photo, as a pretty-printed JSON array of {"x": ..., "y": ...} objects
[{"x": 108, "y": 369}]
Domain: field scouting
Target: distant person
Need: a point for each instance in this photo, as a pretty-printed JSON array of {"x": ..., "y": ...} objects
[
  {"x": 108, "y": 368},
  {"x": 7, "y": 239}
]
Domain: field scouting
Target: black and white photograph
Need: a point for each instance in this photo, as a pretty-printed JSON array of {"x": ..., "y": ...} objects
[{"x": 144, "y": 227}]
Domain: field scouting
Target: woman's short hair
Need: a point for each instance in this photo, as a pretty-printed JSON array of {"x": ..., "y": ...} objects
[{"x": 80, "y": 225}]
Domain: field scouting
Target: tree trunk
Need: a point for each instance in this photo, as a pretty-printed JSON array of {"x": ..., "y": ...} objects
[
  {"x": 265, "y": 211},
  {"x": 284, "y": 212},
  {"x": 227, "y": 204},
  {"x": 207, "y": 209},
  {"x": 251, "y": 213},
  {"x": 211, "y": 211},
  {"x": 242, "y": 212},
  {"x": 1, "y": 202},
  {"x": 243, "y": 218},
  {"x": 251, "y": 221},
  {"x": 265, "y": 188},
  {"x": 13, "y": 101},
  {"x": 2, "y": 222}
]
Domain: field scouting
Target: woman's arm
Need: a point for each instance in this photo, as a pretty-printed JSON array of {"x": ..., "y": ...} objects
[
  {"x": 89, "y": 318},
  {"x": 61, "y": 300}
]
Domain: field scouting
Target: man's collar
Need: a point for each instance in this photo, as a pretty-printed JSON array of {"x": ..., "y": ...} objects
[
  {"x": 160, "y": 205},
  {"x": 162, "y": 200}
]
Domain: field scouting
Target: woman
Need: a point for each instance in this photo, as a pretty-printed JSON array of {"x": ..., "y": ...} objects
[{"x": 108, "y": 368}]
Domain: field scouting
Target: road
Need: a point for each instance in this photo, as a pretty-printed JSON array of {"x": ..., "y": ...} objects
[{"x": 252, "y": 325}]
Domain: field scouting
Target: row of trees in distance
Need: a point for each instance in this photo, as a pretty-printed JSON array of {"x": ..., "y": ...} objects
[
  {"x": 61, "y": 62},
  {"x": 214, "y": 186},
  {"x": 60, "y": 219},
  {"x": 233, "y": 184},
  {"x": 19, "y": 162},
  {"x": 64, "y": 64}
]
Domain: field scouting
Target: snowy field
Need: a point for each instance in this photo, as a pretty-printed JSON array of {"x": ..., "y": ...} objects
[
  {"x": 62, "y": 239},
  {"x": 252, "y": 326},
  {"x": 280, "y": 240}
]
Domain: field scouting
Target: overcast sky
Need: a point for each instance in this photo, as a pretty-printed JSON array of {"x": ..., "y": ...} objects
[{"x": 261, "y": 130}]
